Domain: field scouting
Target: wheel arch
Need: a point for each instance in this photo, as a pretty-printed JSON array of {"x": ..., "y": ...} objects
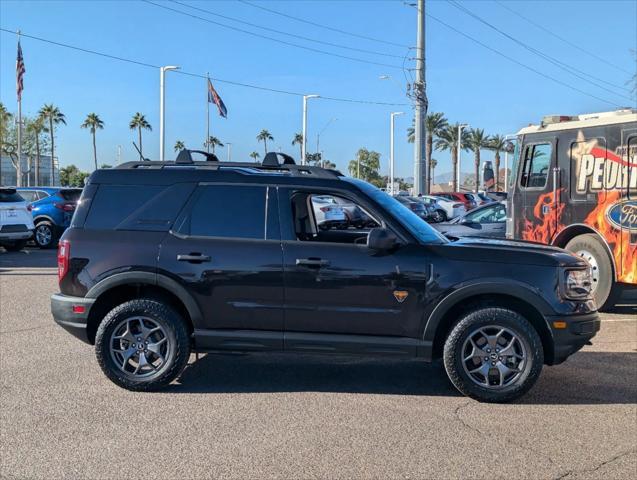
[
  {"x": 514, "y": 296},
  {"x": 577, "y": 229},
  {"x": 43, "y": 218},
  {"x": 122, "y": 287}
]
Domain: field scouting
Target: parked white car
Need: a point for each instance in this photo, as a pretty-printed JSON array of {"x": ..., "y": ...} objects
[
  {"x": 328, "y": 213},
  {"x": 448, "y": 208},
  {"x": 16, "y": 222}
]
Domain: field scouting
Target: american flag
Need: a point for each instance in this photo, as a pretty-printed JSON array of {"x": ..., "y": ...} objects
[
  {"x": 213, "y": 97},
  {"x": 19, "y": 73}
]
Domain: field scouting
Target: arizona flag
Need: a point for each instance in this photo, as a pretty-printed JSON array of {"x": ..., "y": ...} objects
[
  {"x": 19, "y": 73},
  {"x": 213, "y": 97}
]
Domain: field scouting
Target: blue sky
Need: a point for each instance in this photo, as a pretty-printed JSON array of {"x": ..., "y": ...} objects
[{"x": 466, "y": 81}]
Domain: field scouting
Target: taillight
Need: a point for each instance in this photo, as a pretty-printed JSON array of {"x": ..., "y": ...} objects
[
  {"x": 325, "y": 209},
  {"x": 64, "y": 252},
  {"x": 30, "y": 207},
  {"x": 67, "y": 207}
]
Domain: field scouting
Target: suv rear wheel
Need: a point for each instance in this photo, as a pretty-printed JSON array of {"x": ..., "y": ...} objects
[
  {"x": 142, "y": 345},
  {"x": 44, "y": 235},
  {"x": 493, "y": 355}
]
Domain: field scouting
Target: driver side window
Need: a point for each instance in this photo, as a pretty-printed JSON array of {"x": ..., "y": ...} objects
[
  {"x": 330, "y": 218},
  {"x": 536, "y": 166}
]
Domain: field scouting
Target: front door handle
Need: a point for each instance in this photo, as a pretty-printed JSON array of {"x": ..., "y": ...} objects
[
  {"x": 193, "y": 258},
  {"x": 312, "y": 262}
]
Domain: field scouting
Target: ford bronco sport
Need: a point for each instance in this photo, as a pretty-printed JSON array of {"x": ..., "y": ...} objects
[{"x": 167, "y": 258}]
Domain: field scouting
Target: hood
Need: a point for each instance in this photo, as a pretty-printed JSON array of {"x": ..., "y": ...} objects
[{"x": 508, "y": 251}]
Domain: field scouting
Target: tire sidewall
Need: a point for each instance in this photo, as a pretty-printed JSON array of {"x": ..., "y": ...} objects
[
  {"x": 593, "y": 245},
  {"x": 498, "y": 317},
  {"x": 51, "y": 230}
]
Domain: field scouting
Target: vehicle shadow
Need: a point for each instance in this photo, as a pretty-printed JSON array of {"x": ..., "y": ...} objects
[
  {"x": 27, "y": 258},
  {"x": 586, "y": 378}
]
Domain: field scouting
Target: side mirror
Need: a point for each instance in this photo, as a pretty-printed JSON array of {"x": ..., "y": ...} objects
[{"x": 381, "y": 239}]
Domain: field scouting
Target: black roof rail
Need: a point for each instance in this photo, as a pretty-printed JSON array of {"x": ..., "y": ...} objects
[{"x": 270, "y": 164}]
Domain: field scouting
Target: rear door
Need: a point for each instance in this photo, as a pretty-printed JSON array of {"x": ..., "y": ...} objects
[{"x": 225, "y": 248}]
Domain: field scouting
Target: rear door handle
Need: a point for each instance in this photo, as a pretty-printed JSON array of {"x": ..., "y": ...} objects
[
  {"x": 193, "y": 258},
  {"x": 312, "y": 262}
]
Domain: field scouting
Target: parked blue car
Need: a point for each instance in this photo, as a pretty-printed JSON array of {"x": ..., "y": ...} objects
[{"x": 52, "y": 209}]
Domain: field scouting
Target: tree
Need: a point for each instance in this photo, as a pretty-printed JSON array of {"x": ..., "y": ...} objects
[
  {"x": 212, "y": 142},
  {"x": 298, "y": 140},
  {"x": 447, "y": 139},
  {"x": 497, "y": 143},
  {"x": 434, "y": 123},
  {"x": 328, "y": 164},
  {"x": 432, "y": 166},
  {"x": 93, "y": 123},
  {"x": 52, "y": 113},
  {"x": 5, "y": 122},
  {"x": 264, "y": 136},
  {"x": 139, "y": 122},
  {"x": 255, "y": 155},
  {"x": 366, "y": 166},
  {"x": 34, "y": 129},
  {"x": 106, "y": 165},
  {"x": 179, "y": 146},
  {"x": 71, "y": 176},
  {"x": 314, "y": 158},
  {"x": 477, "y": 140}
]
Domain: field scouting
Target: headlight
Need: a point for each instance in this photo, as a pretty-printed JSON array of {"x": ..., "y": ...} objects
[{"x": 578, "y": 284}]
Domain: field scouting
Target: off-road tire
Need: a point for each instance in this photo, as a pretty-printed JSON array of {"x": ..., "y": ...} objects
[
  {"x": 607, "y": 292},
  {"x": 482, "y": 317},
  {"x": 176, "y": 331}
]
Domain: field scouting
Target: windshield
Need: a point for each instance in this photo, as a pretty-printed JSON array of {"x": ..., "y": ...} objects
[{"x": 412, "y": 222}]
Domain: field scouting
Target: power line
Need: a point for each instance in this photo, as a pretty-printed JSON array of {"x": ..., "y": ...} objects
[
  {"x": 192, "y": 74},
  {"x": 336, "y": 45},
  {"x": 568, "y": 68},
  {"x": 326, "y": 27},
  {"x": 247, "y": 32},
  {"x": 565, "y": 40},
  {"x": 524, "y": 65}
]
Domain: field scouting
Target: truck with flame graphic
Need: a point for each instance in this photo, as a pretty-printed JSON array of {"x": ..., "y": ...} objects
[{"x": 573, "y": 184}]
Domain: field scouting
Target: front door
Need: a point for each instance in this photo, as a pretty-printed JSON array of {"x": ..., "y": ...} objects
[
  {"x": 226, "y": 251},
  {"x": 334, "y": 284}
]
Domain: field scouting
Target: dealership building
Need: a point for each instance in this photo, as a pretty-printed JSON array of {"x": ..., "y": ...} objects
[{"x": 31, "y": 174}]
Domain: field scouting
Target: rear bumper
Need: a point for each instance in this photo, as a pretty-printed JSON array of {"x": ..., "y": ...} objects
[
  {"x": 16, "y": 232},
  {"x": 578, "y": 332},
  {"x": 71, "y": 319}
]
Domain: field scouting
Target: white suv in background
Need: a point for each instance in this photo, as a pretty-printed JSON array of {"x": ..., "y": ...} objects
[
  {"x": 16, "y": 222},
  {"x": 450, "y": 208}
]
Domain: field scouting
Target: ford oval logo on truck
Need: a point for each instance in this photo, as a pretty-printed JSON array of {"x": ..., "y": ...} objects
[{"x": 623, "y": 215}]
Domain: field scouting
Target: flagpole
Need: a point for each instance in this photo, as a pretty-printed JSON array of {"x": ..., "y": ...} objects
[
  {"x": 207, "y": 114},
  {"x": 19, "y": 169}
]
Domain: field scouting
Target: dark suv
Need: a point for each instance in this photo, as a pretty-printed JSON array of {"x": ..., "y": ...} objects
[{"x": 167, "y": 258}]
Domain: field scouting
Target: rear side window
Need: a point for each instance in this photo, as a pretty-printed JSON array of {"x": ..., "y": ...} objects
[
  {"x": 114, "y": 203},
  {"x": 233, "y": 211},
  {"x": 28, "y": 195},
  {"x": 9, "y": 195}
]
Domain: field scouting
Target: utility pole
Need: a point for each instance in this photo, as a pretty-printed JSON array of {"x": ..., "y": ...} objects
[
  {"x": 229, "y": 146},
  {"x": 421, "y": 182},
  {"x": 392, "y": 115},
  {"x": 304, "y": 142},
  {"x": 162, "y": 119}
]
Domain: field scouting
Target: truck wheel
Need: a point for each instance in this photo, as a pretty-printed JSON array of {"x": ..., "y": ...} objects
[
  {"x": 493, "y": 355},
  {"x": 15, "y": 246},
  {"x": 589, "y": 247},
  {"x": 142, "y": 345},
  {"x": 44, "y": 235}
]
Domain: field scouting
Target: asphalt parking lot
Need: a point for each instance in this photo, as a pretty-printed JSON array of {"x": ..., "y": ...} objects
[{"x": 252, "y": 416}]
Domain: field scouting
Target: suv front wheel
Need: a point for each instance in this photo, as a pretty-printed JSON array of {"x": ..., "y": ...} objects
[
  {"x": 493, "y": 355},
  {"x": 142, "y": 345}
]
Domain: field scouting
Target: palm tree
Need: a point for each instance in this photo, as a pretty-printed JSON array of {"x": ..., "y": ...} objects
[
  {"x": 94, "y": 123},
  {"x": 179, "y": 146},
  {"x": 433, "y": 163},
  {"x": 213, "y": 142},
  {"x": 264, "y": 136},
  {"x": 5, "y": 120},
  {"x": 254, "y": 156},
  {"x": 498, "y": 143},
  {"x": 55, "y": 117},
  {"x": 477, "y": 140},
  {"x": 298, "y": 140},
  {"x": 434, "y": 123},
  {"x": 35, "y": 128},
  {"x": 138, "y": 122},
  {"x": 447, "y": 139}
]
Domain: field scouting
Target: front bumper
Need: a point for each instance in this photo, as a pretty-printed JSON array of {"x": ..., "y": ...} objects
[
  {"x": 578, "y": 332},
  {"x": 68, "y": 313}
]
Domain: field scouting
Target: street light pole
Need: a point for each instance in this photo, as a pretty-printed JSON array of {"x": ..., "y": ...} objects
[
  {"x": 459, "y": 147},
  {"x": 304, "y": 142},
  {"x": 229, "y": 145},
  {"x": 392, "y": 115},
  {"x": 162, "y": 125}
]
